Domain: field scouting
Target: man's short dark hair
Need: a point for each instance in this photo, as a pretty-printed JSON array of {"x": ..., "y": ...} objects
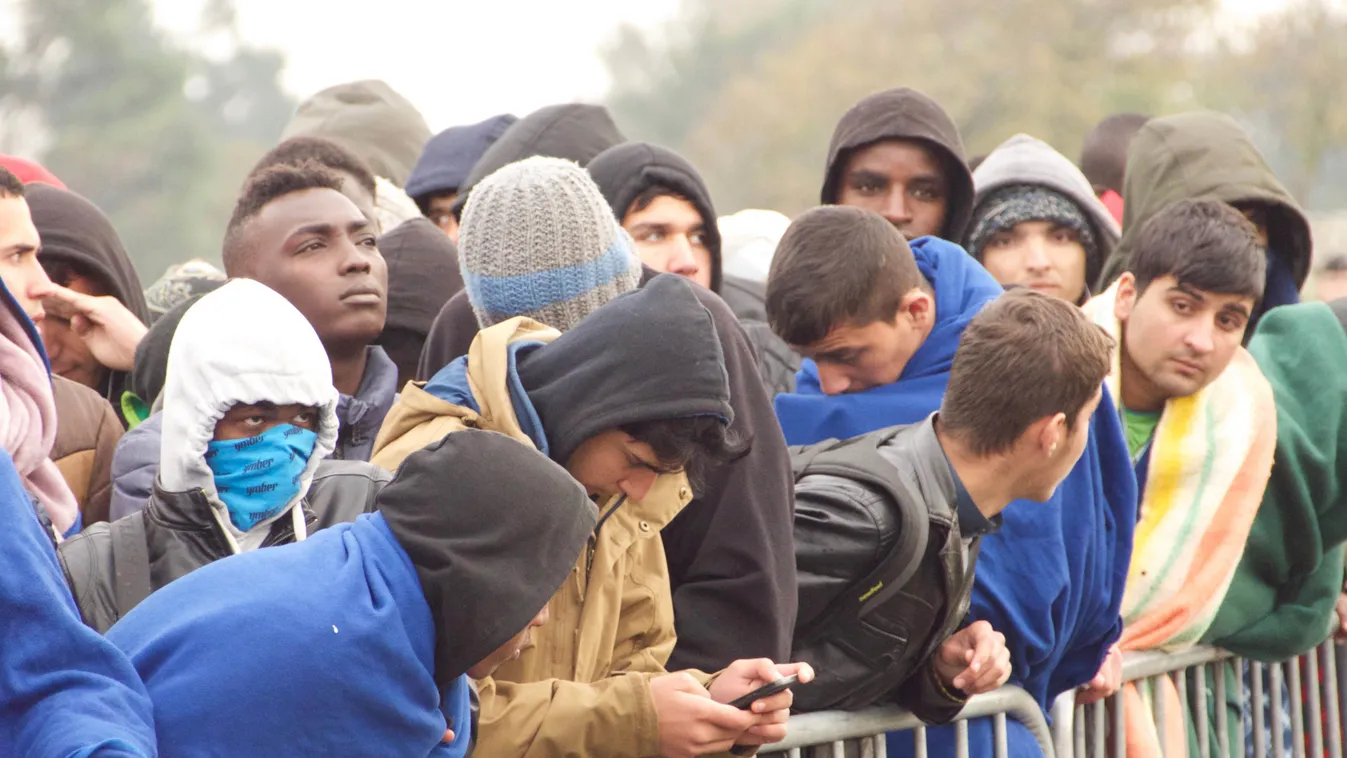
[
  {"x": 1103, "y": 159},
  {"x": 648, "y": 196},
  {"x": 695, "y": 445},
  {"x": 304, "y": 149},
  {"x": 423, "y": 200},
  {"x": 10, "y": 186},
  {"x": 262, "y": 188},
  {"x": 1206, "y": 245},
  {"x": 1026, "y": 356},
  {"x": 837, "y": 265}
]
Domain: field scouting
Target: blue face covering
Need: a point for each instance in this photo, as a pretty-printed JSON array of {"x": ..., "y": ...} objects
[{"x": 257, "y": 476}]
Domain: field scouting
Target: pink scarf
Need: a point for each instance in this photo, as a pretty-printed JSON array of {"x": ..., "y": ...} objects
[{"x": 28, "y": 422}]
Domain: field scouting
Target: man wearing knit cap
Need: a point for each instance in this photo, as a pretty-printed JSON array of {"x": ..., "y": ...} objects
[
  {"x": 634, "y": 402},
  {"x": 897, "y": 153},
  {"x": 1036, "y": 222},
  {"x": 444, "y": 165},
  {"x": 731, "y": 553}
]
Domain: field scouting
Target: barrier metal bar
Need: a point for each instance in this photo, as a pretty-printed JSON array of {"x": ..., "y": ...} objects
[
  {"x": 1313, "y": 711},
  {"x": 832, "y": 727}
]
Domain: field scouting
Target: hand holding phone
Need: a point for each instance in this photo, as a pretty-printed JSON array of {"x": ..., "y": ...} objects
[{"x": 767, "y": 690}]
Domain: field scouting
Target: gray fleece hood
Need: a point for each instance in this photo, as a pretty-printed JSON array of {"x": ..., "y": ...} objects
[{"x": 1025, "y": 161}]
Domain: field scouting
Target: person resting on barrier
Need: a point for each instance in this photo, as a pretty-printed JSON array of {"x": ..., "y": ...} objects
[
  {"x": 1201, "y": 425},
  {"x": 879, "y": 320}
]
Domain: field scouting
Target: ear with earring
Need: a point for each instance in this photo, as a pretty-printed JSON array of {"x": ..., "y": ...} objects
[{"x": 1053, "y": 450}]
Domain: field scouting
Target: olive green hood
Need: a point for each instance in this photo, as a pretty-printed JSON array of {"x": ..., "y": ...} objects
[{"x": 1204, "y": 156}]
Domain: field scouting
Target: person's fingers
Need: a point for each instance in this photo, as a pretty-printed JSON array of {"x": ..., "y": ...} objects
[
  {"x": 762, "y": 670},
  {"x": 448, "y": 736},
  {"x": 778, "y": 702},
  {"x": 70, "y": 298},
  {"x": 802, "y": 670},
  {"x": 765, "y": 734},
  {"x": 80, "y": 325},
  {"x": 729, "y": 721}
]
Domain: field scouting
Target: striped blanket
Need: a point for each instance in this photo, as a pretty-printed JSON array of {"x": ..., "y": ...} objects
[{"x": 1209, "y": 462}]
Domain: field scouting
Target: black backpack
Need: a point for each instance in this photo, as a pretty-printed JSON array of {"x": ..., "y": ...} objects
[{"x": 865, "y": 624}]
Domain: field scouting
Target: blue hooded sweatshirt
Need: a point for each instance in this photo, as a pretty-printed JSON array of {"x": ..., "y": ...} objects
[
  {"x": 962, "y": 286},
  {"x": 65, "y": 692},
  {"x": 1051, "y": 579},
  {"x": 336, "y": 626}
]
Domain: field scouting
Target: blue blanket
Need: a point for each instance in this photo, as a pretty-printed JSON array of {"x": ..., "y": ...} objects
[
  {"x": 1052, "y": 578},
  {"x": 65, "y": 692},
  {"x": 323, "y": 647}
]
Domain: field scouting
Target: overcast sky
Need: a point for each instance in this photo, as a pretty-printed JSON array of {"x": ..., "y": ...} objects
[{"x": 461, "y": 61}]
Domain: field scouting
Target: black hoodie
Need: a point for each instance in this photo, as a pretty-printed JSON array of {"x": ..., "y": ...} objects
[
  {"x": 731, "y": 551},
  {"x": 74, "y": 231},
  {"x": 624, "y": 171},
  {"x": 603, "y": 373},
  {"x": 574, "y": 131},
  {"x": 423, "y": 274},
  {"x": 904, "y": 114},
  {"x": 492, "y": 528}
]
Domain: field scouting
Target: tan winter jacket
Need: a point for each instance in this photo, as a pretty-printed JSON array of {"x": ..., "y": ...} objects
[{"x": 583, "y": 687}]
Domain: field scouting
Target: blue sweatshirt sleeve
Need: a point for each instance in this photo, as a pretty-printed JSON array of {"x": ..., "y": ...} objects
[{"x": 65, "y": 692}]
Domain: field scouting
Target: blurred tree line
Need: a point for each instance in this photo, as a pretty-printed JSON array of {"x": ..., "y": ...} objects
[
  {"x": 750, "y": 90},
  {"x": 158, "y": 132}
]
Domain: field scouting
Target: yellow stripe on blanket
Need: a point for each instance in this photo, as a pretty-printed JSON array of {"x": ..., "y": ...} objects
[{"x": 1209, "y": 462}]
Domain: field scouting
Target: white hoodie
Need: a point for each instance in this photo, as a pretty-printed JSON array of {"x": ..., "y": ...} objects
[{"x": 242, "y": 343}]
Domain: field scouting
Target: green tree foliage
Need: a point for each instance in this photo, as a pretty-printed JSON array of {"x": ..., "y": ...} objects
[
  {"x": 750, "y": 91},
  {"x": 158, "y": 136}
]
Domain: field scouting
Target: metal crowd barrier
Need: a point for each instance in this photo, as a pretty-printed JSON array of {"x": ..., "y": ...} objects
[
  {"x": 1302, "y": 697},
  {"x": 838, "y": 734}
]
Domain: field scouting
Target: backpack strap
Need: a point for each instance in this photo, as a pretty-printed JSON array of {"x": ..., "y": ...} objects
[
  {"x": 130, "y": 563},
  {"x": 859, "y": 460}
]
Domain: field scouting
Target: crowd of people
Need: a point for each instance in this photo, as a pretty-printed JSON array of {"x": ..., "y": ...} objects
[{"x": 501, "y": 441}]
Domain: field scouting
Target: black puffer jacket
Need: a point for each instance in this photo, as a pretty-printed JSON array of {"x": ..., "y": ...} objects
[{"x": 180, "y": 535}]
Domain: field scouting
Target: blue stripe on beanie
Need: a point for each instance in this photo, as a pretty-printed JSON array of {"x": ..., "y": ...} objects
[{"x": 525, "y": 293}]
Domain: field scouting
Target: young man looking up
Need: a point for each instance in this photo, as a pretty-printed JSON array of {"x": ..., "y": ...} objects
[
  {"x": 294, "y": 231},
  {"x": 597, "y": 400},
  {"x": 899, "y": 154},
  {"x": 880, "y": 321}
]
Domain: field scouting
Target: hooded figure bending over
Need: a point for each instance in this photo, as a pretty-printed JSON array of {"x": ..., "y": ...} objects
[{"x": 361, "y": 639}]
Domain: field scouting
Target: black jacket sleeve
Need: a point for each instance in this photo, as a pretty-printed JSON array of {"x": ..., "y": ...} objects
[
  {"x": 731, "y": 551},
  {"x": 450, "y": 336},
  {"x": 928, "y": 699}
]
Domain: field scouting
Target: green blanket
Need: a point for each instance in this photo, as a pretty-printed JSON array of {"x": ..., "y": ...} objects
[{"x": 1281, "y": 602}]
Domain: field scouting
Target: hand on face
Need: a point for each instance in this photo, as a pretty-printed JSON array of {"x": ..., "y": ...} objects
[{"x": 110, "y": 331}]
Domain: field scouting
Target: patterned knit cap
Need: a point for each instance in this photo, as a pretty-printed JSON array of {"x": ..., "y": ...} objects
[
  {"x": 539, "y": 240},
  {"x": 1002, "y": 209}
]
